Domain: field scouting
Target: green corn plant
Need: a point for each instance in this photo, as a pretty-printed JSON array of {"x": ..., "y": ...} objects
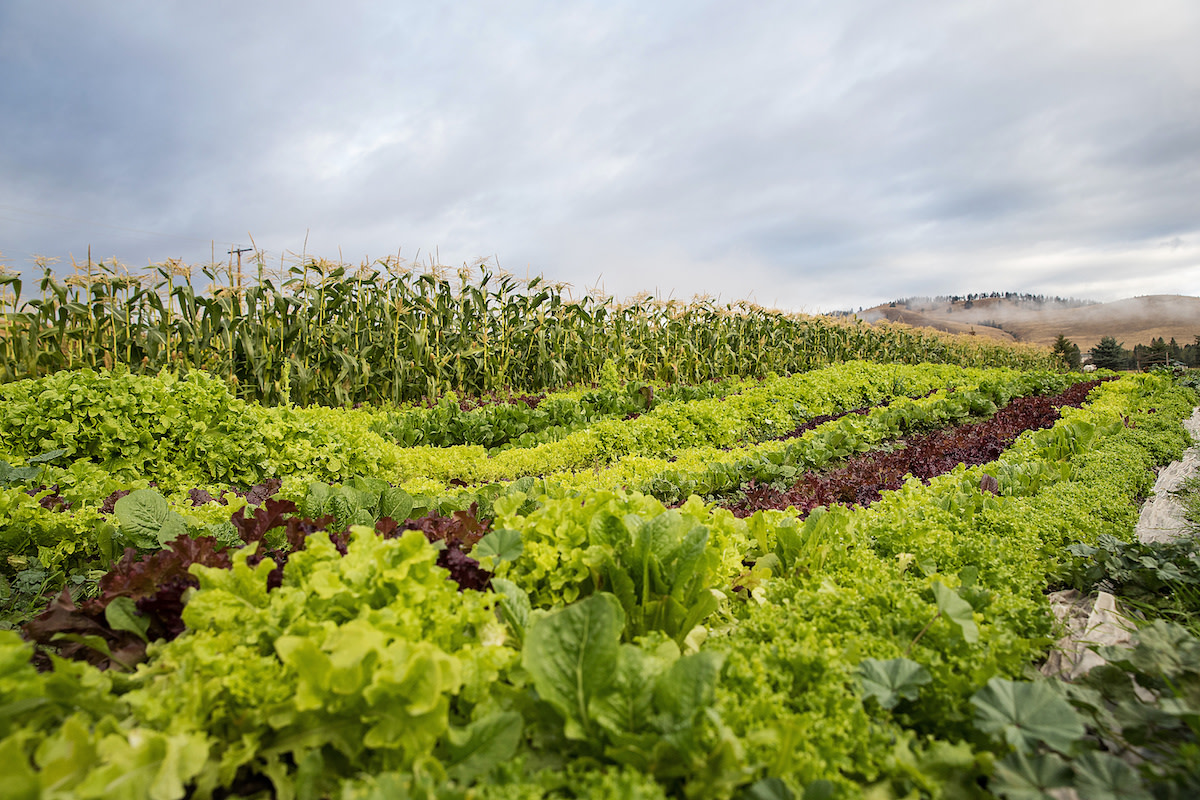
[{"x": 391, "y": 333}]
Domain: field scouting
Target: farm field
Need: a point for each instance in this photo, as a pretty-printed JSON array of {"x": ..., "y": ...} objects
[{"x": 827, "y": 582}]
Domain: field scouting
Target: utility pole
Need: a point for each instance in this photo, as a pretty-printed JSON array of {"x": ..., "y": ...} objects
[{"x": 239, "y": 251}]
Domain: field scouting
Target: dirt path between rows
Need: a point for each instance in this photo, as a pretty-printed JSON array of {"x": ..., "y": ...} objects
[
  {"x": 1096, "y": 620},
  {"x": 1162, "y": 516}
]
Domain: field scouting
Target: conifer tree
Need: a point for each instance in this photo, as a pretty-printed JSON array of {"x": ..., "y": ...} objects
[
  {"x": 1110, "y": 354},
  {"x": 1068, "y": 351}
]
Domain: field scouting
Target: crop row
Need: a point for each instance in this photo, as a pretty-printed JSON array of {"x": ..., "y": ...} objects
[
  {"x": 861, "y": 478},
  {"x": 114, "y": 432},
  {"x": 624, "y": 648},
  {"x": 529, "y": 421},
  {"x": 762, "y": 412},
  {"x": 52, "y": 535},
  {"x": 328, "y": 333}
]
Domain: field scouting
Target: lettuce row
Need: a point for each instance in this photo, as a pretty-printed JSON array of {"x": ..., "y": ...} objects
[
  {"x": 353, "y": 663},
  {"x": 180, "y": 432},
  {"x": 710, "y": 470},
  {"x": 529, "y": 421},
  {"x": 237, "y": 703},
  {"x": 772, "y": 408},
  {"x": 866, "y": 588}
]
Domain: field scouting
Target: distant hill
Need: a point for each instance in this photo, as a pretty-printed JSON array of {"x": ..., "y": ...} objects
[{"x": 1133, "y": 321}]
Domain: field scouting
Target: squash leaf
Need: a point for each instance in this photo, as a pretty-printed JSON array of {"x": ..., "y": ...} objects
[
  {"x": 1025, "y": 715},
  {"x": 891, "y": 681}
]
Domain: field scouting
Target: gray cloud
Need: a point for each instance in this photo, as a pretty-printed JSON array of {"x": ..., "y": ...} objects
[{"x": 815, "y": 157}]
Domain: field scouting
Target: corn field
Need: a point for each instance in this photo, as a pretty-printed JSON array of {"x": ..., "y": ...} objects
[{"x": 335, "y": 334}]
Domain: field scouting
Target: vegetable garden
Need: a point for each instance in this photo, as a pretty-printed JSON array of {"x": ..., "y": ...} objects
[{"x": 827, "y": 582}]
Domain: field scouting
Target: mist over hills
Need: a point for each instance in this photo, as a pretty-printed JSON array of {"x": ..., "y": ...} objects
[{"x": 1040, "y": 320}]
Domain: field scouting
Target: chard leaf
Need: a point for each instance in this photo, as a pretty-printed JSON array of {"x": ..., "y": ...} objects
[
  {"x": 395, "y": 503},
  {"x": 11, "y": 474},
  {"x": 146, "y": 518},
  {"x": 891, "y": 681},
  {"x": 686, "y": 689},
  {"x": 571, "y": 654},
  {"x": 121, "y": 614},
  {"x": 626, "y": 707},
  {"x": 957, "y": 610},
  {"x": 313, "y": 504},
  {"x": 1025, "y": 715},
  {"x": 485, "y": 743},
  {"x": 371, "y": 486},
  {"x": 685, "y": 559}
]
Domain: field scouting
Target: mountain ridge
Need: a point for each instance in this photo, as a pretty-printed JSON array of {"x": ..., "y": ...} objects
[{"x": 1131, "y": 321}]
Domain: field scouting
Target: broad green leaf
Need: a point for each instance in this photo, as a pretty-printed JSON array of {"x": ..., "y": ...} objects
[
  {"x": 313, "y": 504},
  {"x": 1100, "y": 776},
  {"x": 1026, "y": 714},
  {"x": 756, "y": 527},
  {"x": 370, "y": 486},
  {"x": 11, "y": 474},
  {"x": 97, "y": 643},
  {"x": 142, "y": 513},
  {"x": 628, "y": 704},
  {"x": 789, "y": 544},
  {"x": 499, "y": 546},
  {"x": 121, "y": 614},
  {"x": 684, "y": 560},
  {"x": 485, "y": 743},
  {"x": 957, "y": 610},
  {"x": 708, "y": 601},
  {"x": 172, "y": 528},
  {"x": 571, "y": 655},
  {"x": 653, "y": 542},
  {"x": 687, "y": 688},
  {"x": 514, "y": 606},
  {"x": 1019, "y": 777},
  {"x": 891, "y": 681},
  {"x": 768, "y": 789},
  {"x": 395, "y": 503},
  {"x": 608, "y": 529},
  {"x": 47, "y": 457}
]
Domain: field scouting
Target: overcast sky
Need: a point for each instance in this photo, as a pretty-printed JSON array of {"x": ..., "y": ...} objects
[{"x": 809, "y": 155}]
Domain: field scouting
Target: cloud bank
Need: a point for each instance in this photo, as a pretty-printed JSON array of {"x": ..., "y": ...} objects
[{"x": 809, "y": 156}]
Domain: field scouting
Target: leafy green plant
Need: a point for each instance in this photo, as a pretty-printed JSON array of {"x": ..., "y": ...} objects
[
  {"x": 147, "y": 521},
  {"x": 1129, "y": 729},
  {"x": 1160, "y": 578},
  {"x": 647, "y": 707},
  {"x": 950, "y": 606},
  {"x": 30, "y": 474},
  {"x": 662, "y": 565},
  {"x": 889, "y": 682},
  {"x": 359, "y": 501},
  {"x": 333, "y": 333}
]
